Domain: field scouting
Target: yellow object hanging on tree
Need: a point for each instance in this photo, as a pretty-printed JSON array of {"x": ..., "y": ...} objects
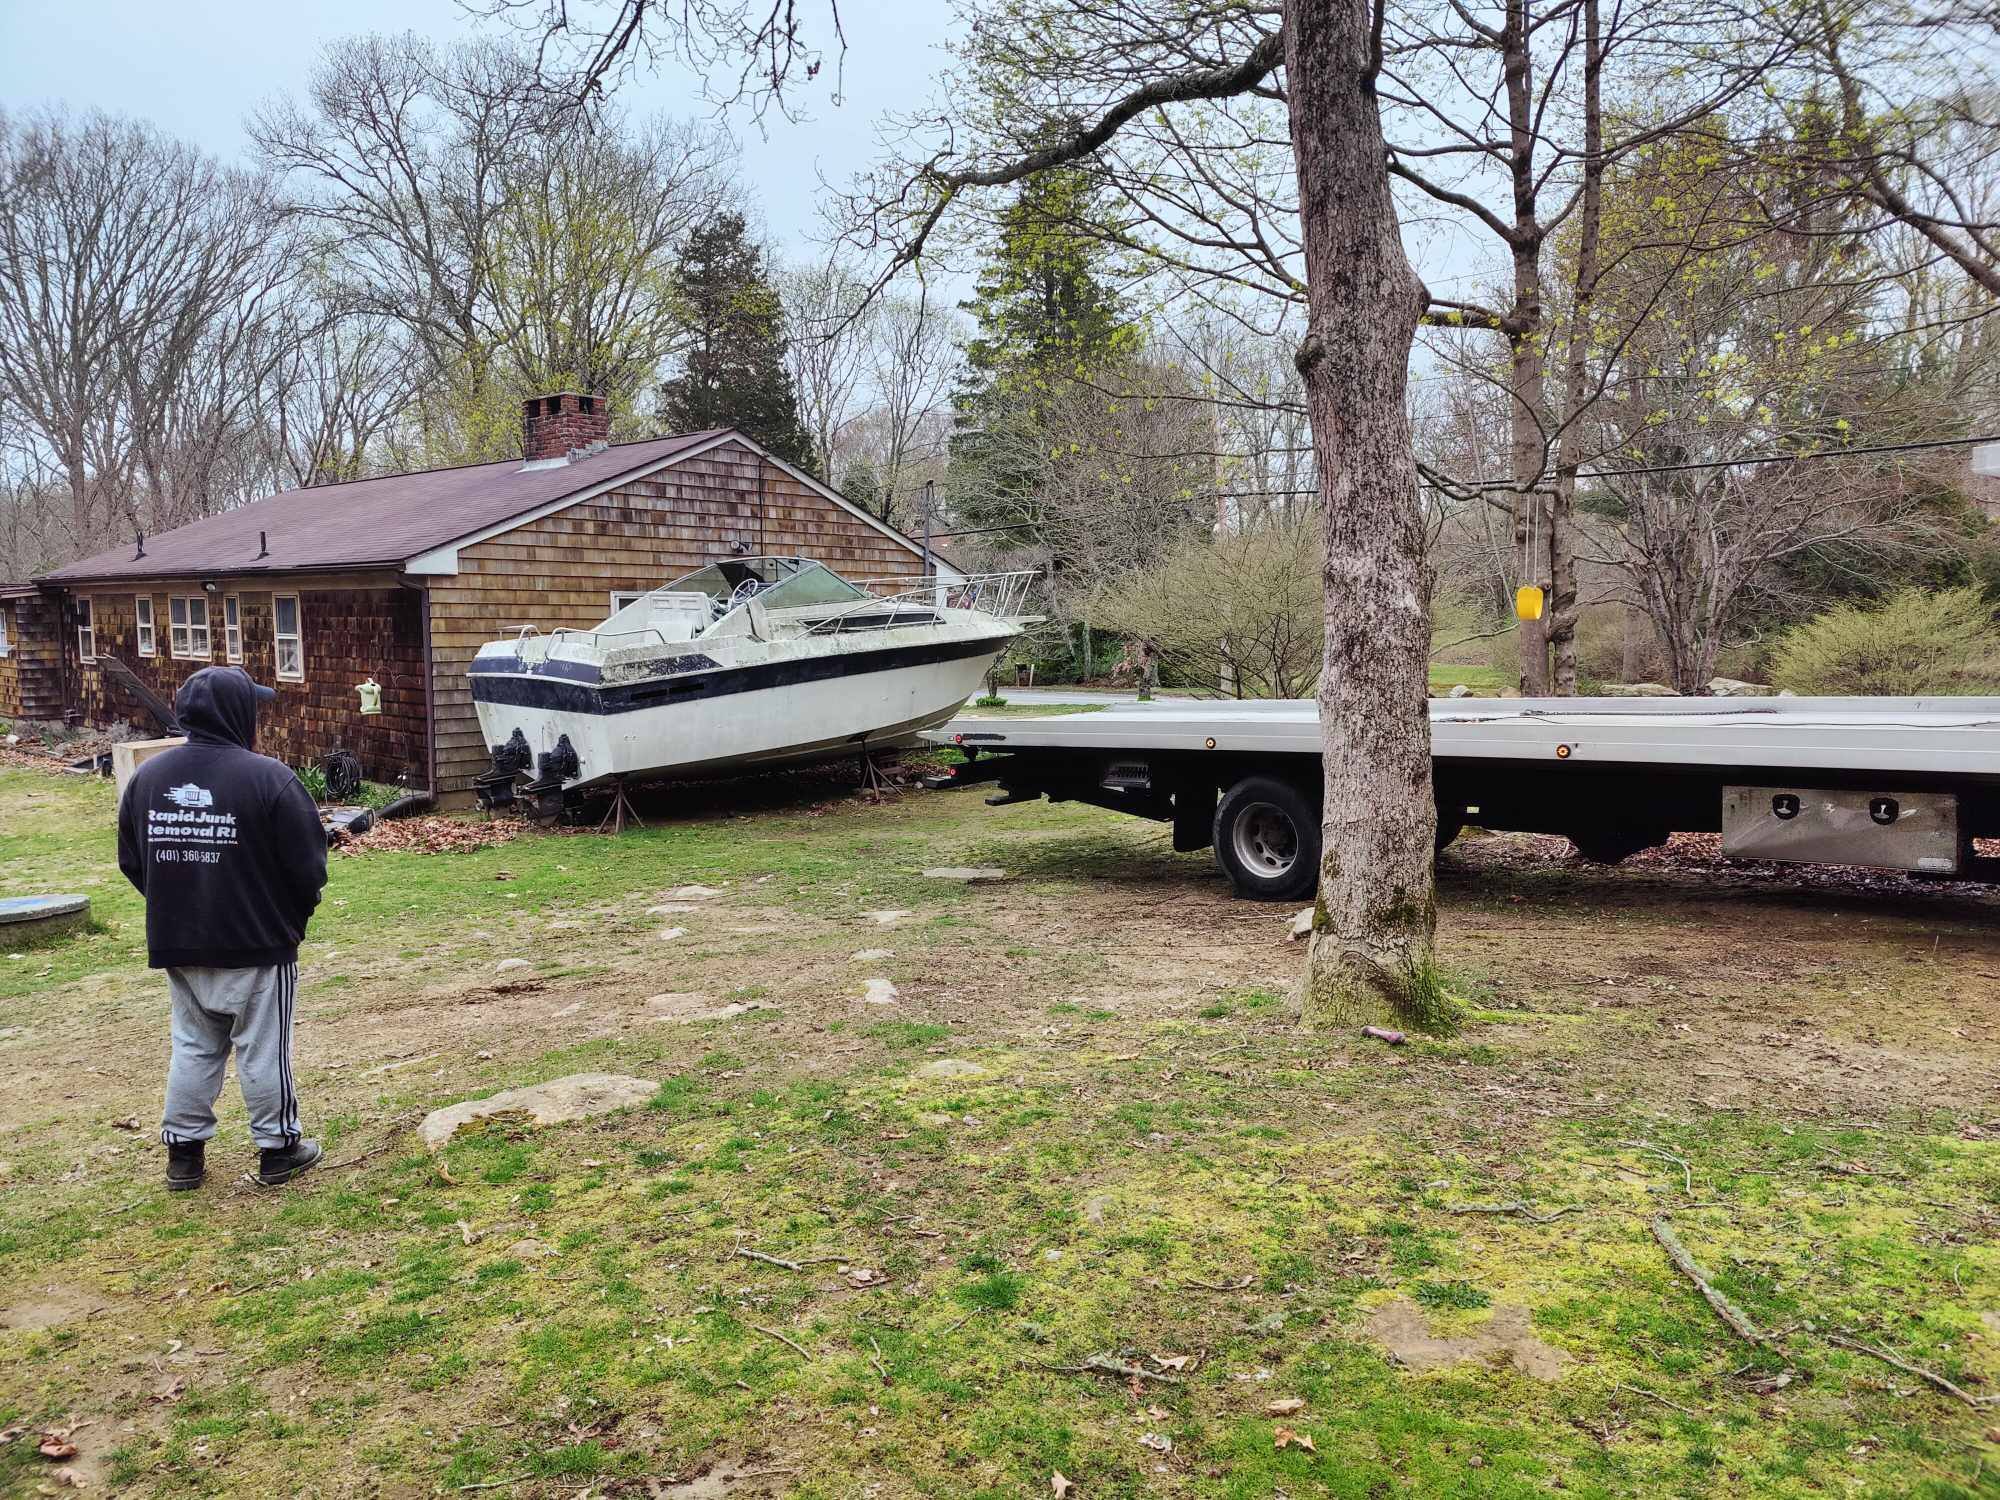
[{"x": 1528, "y": 602}]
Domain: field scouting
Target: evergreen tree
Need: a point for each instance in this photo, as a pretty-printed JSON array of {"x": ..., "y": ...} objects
[
  {"x": 735, "y": 375},
  {"x": 1046, "y": 318}
]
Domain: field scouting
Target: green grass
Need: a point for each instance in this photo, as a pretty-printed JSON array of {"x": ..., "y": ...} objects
[
  {"x": 1445, "y": 676},
  {"x": 1185, "y": 1175}
]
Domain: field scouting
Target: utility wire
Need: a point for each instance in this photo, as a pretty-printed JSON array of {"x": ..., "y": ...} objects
[
  {"x": 1718, "y": 463},
  {"x": 1733, "y": 463}
]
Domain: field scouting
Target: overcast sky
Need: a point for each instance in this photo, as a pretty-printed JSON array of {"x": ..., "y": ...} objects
[{"x": 197, "y": 67}]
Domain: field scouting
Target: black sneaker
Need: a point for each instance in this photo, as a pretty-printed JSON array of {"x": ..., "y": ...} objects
[
  {"x": 276, "y": 1168},
  {"x": 186, "y": 1166}
]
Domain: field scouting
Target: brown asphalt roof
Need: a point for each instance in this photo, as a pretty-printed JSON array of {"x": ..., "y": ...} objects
[{"x": 368, "y": 523}]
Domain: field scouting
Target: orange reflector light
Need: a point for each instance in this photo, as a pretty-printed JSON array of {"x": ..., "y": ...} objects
[{"x": 1562, "y": 752}]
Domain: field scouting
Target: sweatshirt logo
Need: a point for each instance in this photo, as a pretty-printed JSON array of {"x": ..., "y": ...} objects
[{"x": 190, "y": 795}]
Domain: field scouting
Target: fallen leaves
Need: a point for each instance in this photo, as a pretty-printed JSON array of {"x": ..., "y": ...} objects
[
  {"x": 1284, "y": 1437},
  {"x": 1060, "y": 1484},
  {"x": 432, "y": 835},
  {"x": 56, "y": 1447},
  {"x": 1285, "y": 1406},
  {"x": 1159, "y": 1442}
]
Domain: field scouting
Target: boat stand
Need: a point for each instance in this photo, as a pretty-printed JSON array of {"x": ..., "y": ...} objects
[
  {"x": 621, "y": 810},
  {"x": 875, "y": 781}
]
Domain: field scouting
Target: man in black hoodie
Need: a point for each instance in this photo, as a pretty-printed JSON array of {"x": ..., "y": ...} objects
[{"x": 227, "y": 849}]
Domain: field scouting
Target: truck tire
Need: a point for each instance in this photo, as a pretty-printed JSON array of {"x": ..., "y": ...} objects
[
  {"x": 1267, "y": 839},
  {"x": 1607, "y": 846}
]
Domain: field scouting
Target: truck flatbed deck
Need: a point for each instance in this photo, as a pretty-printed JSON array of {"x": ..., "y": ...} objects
[{"x": 1904, "y": 783}]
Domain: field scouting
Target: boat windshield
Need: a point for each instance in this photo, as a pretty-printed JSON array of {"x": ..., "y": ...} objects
[{"x": 776, "y": 582}]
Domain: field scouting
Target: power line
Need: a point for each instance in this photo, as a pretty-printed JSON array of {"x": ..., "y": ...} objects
[
  {"x": 1734, "y": 463},
  {"x": 1718, "y": 463}
]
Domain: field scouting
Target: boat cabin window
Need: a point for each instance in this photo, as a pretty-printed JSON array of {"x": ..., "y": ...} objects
[{"x": 698, "y": 603}]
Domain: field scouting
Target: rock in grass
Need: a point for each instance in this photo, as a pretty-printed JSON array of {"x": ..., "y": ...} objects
[
  {"x": 880, "y": 992},
  {"x": 669, "y": 934},
  {"x": 873, "y": 955},
  {"x": 1302, "y": 925},
  {"x": 692, "y": 893},
  {"x": 951, "y": 1067},
  {"x": 965, "y": 872},
  {"x": 579, "y": 1096},
  {"x": 885, "y": 918},
  {"x": 511, "y": 966}
]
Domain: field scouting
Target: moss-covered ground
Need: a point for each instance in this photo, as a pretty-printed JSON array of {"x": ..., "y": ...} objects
[{"x": 1142, "y": 1162}]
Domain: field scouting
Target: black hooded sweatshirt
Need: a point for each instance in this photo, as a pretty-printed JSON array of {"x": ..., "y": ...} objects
[{"x": 224, "y": 844}]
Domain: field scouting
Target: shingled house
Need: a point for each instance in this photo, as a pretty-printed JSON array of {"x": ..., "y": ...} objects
[{"x": 402, "y": 578}]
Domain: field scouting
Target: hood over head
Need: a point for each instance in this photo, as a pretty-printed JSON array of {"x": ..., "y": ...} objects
[{"x": 218, "y": 706}]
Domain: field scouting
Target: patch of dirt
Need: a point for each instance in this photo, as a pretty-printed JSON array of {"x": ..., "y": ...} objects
[
  {"x": 1401, "y": 1327},
  {"x": 52, "y": 1308},
  {"x": 727, "y": 1479}
]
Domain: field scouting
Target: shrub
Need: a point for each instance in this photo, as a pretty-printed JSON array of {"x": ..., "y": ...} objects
[
  {"x": 314, "y": 781},
  {"x": 1914, "y": 642}
]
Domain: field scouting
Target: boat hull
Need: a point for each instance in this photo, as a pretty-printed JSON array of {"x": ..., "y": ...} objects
[{"x": 731, "y": 719}]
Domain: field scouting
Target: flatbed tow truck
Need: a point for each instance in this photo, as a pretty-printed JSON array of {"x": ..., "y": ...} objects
[{"x": 1894, "y": 783}]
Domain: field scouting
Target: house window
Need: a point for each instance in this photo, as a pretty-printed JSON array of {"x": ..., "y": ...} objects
[
  {"x": 143, "y": 606},
  {"x": 86, "y": 632},
  {"x": 620, "y": 598},
  {"x": 187, "y": 626},
  {"x": 6, "y": 648},
  {"x": 232, "y": 628},
  {"x": 291, "y": 644}
]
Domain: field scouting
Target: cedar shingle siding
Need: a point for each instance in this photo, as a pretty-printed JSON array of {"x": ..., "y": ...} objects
[
  {"x": 350, "y": 630},
  {"x": 31, "y": 672}
]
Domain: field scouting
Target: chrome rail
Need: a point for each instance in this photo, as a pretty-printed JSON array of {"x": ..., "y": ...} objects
[{"x": 997, "y": 594}]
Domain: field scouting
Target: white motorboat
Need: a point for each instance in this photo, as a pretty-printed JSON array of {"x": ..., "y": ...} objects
[{"x": 747, "y": 663}]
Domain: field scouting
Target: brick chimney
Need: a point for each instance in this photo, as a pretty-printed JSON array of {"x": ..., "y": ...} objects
[{"x": 552, "y": 425}]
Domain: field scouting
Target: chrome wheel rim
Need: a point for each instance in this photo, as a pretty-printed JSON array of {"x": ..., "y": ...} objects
[{"x": 1265, "y": 841}]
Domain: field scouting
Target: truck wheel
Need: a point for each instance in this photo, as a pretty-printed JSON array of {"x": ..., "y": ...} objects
[
  {"x": 1267, "y": 839},
  {"x": 1607, "y": 846}
]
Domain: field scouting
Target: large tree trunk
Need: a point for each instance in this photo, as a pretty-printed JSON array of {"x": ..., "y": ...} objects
[{"x": 1376, "y": 915}]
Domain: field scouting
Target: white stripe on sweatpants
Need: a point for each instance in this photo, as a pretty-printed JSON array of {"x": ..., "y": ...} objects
[{"x": 216, "y": 1011}]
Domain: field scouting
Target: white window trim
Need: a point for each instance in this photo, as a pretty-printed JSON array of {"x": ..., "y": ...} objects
[
  {"x": 87, "y": 629},
  {"x": 6, "y": 640},
  {"x": 625, "y": 598},
  {"x": 146, "y": 636},
  {"x": 207, "y": 651},
  {"x": 277, "y": 640},
  {"x": 232, "y": 634}
]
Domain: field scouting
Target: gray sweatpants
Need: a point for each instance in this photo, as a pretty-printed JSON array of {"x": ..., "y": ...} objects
[{"x": 214, "y": 1010}]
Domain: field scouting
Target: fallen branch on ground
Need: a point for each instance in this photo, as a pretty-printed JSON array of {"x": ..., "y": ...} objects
[
  {"x": 746, "y": 1253},
  {"x": 1104, "y": 1364},
  {"x": 1738, "y": 1321},
  {"x": 1687, "y": 1172},
  {"x": 1513, "y": 1206},
  {"x": 1640, "y": 1390},
  {"x": 1977, "y": 1403},
  {"x": 1223, "y": 1286},
  {"x": 804, "y": 1353}
]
